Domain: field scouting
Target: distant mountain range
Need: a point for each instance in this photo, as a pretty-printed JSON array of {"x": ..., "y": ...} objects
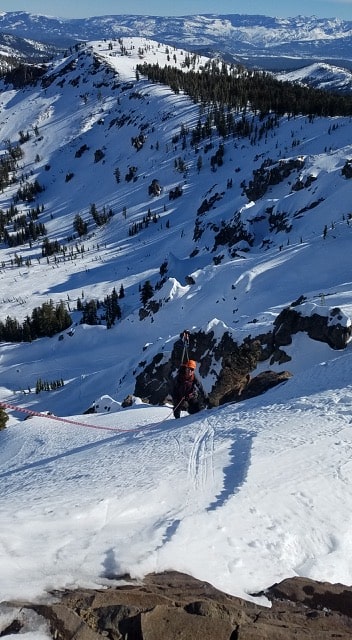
[
  {"x": 256, "y": 40},
  {"x": 15, "y": 49}
]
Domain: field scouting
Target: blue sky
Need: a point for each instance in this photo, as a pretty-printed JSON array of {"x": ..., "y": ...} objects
[{"x": 85, "y": 8}]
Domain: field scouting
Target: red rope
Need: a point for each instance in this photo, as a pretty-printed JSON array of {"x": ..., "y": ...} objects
[{"x": 51, "y": 416}]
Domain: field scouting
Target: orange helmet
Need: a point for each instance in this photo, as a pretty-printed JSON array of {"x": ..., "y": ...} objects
[{"x": 191, "y": 364}]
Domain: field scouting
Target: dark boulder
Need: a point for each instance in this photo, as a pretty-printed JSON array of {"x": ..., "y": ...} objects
[{"x": 263, "y": 382}]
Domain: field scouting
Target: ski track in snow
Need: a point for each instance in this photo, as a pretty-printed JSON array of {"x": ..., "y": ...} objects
[{"x": 201, "y": 464}]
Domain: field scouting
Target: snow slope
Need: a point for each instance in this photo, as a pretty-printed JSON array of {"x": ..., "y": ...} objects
[{"x": 243, "y": 495}]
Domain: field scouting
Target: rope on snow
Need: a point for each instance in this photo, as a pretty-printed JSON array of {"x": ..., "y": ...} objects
[{"x": 51, "y": 416}]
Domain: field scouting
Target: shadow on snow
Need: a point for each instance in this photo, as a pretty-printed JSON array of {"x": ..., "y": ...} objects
[{"x": 236, "y": 471}]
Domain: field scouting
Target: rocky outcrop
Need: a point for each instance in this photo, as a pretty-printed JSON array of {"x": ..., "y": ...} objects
[
  {"x": 323, "y": 596},
  {"x": 233, "y": 383},
  {"x": 153, "y": 383},
  {"x": 230, "y": 364},
  {"x": 263, "y": 382},
  {"x": 237, "y": 363},
  {"x": 322, "y": 324},
  {"x": 174, "y": 605}
]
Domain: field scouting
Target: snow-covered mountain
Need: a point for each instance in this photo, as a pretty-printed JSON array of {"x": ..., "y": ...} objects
[
  {"x": 268, "y": 42},
  {"x": 169, "y": 196},
  {"x": 321, "y": 76},
  {"x": 310, "y": 50},
  {"x": 15, "y": 51},
  {"x": 95, "y": 137}
]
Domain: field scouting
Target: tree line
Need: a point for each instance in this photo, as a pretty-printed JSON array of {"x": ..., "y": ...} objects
[
  {"x": 111, "y": 310},
  {"x": 242, "y": 89},
  {"x": 46, "y": 320}
]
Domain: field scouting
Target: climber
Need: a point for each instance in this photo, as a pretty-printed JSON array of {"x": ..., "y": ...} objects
[{"x": 187, "y": 391}]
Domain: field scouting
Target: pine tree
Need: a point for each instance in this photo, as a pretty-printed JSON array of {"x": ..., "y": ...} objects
[
  {"x": 147, "y": 292},
  {"x": 115, "y": 307},
  {"x": 90, "y": 315},
  {"x": 79, "y": 225}
]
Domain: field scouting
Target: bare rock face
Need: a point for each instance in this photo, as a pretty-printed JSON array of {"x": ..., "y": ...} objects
[
  {"x": 233, "y": 383},
  {"x": 262, "y": 382},
  {"x": 153, "y": 383},
  {"x": 316, "y": 595},
  {"x": 173, "y": 605},
  {"x": 237, "y": 362},
  {"x": 325, "y": 327}
]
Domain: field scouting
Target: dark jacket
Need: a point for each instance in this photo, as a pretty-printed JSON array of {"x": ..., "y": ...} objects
[{"x": 187, "y": 394}]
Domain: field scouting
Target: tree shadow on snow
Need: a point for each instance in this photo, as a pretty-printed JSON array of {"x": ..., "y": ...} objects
[{"x": 236, "y": 471}]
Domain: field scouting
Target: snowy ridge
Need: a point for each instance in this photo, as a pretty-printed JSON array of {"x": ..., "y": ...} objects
[{"x": 321, "y": 76}]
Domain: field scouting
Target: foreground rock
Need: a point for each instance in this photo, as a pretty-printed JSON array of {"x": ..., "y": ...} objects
[{"x": 174, "y": 605}]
